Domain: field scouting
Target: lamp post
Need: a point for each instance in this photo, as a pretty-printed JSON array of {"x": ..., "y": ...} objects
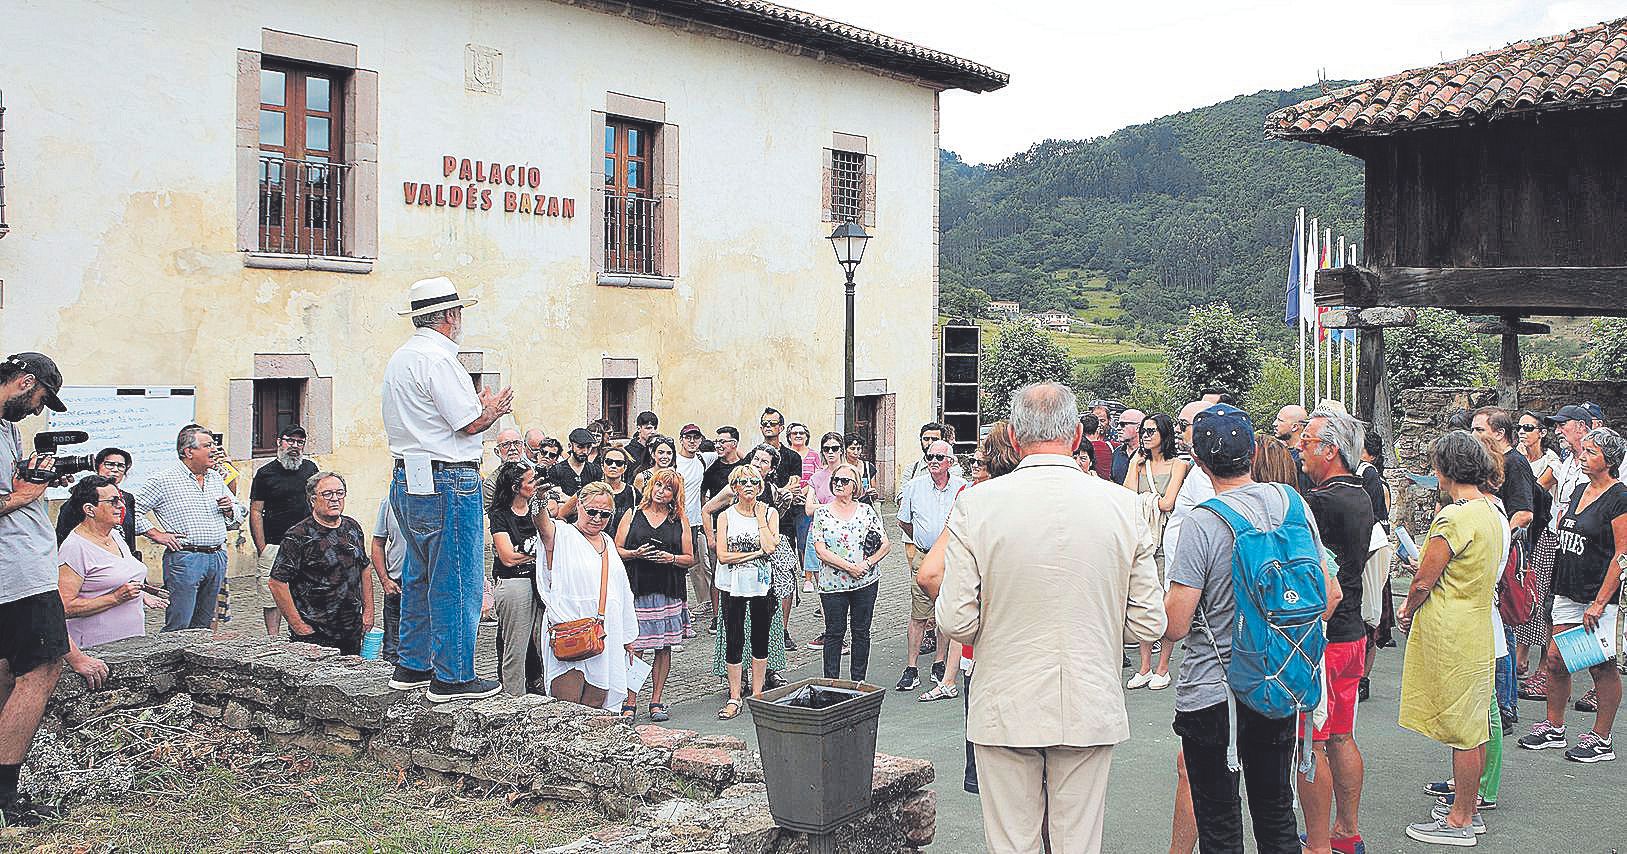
[{"x": 848, "y": 240}]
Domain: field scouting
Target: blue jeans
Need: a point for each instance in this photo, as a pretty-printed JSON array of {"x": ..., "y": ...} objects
[
  {"x": 193, "y": 580},
  {"x": 1506, "y": 684},
  {"x": 854, "y": 608},
  {"x": 441, "y": 581}
]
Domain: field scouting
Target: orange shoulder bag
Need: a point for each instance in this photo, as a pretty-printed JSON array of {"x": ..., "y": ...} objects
[{"x": 580, "y": 639}]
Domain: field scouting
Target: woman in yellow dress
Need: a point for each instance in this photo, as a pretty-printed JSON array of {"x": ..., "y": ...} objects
[{"x": 1446, "y": 679}]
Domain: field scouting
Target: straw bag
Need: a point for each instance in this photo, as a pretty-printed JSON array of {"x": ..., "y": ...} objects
[{"x": 580, "y": 639}]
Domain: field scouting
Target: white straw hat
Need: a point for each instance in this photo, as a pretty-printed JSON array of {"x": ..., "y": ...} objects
[{"x": 437, "y": 294}]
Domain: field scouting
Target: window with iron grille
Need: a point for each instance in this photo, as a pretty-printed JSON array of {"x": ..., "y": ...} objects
[
  {"x": 617, "y": 394},
  {"x": 277, "y": 404},
  {"x": 302, "y": 167},
  {"x": 847, "y": 186},
  {"x": 3, "y": 227},
  {"x": 632, "y": 230}
]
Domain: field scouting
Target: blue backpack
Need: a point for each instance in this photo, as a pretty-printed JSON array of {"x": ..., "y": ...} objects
[{"x": 1279, "y": 638}]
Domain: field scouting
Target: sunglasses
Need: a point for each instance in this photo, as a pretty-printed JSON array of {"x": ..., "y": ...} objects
[
  {"x": 832, "y": 449},
  {"x": 749, "y": 481},
  {"x": 552, "y": 455},
  {"x": 768, "y": 424},
  {"x": 1182, "y": 424},
  {"x": 622, "y": 463},
  {"x": 1529, "y": 428},
  {"x": 936, "y": 458},
  {"x": 592, "y": 513},
  {"x": 1149, "y": 431},
  {"x": 841, "y": 481},
  {"x": 979, "y": 463}
]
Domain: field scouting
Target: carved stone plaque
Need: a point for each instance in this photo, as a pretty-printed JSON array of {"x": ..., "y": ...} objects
[{"x": 482, "y": 69}]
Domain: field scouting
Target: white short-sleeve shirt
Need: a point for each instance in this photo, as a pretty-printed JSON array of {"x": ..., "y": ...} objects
[{"x": 429, "y": 399}]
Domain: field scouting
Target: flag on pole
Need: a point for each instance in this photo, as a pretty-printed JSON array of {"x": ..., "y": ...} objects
[{"x": 1296, "y": 276}]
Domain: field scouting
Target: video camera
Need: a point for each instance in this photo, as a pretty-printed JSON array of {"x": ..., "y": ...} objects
[{"x": 46, "y": 443}]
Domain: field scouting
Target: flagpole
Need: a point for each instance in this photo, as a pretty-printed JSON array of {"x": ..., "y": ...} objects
[
  {"x": 1327, "y": 250},
  {"x": 1299, "y": 315},
  {"x": 1311, "y": 263}
]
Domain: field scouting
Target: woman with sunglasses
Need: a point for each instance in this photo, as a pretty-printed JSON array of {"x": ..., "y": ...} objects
[
  {"x": 1156, "y": 471},
  {"x": 815, "y": 496},
  {"x": 1537, "y": 446},
  {"x": 660, "y": 453},
  {"x": 582, "y": 562},
  {"x": 850, "y": 541},
  {"x": 746, "y": 534},
  {"x": 514, "y": 571},
  {"x": 654, "y": 540},
  {"x": 613, "y": 463},
  {"x": 782, "y": 560}
]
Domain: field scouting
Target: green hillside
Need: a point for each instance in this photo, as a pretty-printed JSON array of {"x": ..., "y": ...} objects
[{"x": 1129, "y": 229}]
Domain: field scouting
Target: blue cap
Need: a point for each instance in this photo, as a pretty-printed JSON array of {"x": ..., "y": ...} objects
[
  {"x": 1222, "y": 434},
  {"x": 1594, "y": 410}
]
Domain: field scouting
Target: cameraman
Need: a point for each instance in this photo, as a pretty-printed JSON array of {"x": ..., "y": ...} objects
[{"x": 33, "y": 627}]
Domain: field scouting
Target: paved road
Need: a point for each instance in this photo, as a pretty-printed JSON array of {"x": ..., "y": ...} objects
[{"x": 1547, "y": 804}]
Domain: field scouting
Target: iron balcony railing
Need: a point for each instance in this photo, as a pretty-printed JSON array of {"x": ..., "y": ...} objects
[
  {"x": 3, "y": 227},
  {"x": 632, "y": 234},
  {"x": 302, "y": 206}
]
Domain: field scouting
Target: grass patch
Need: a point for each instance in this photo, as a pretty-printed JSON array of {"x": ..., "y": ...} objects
[
  {"x": 305, "y": 802},
  {"x": 1090, "y": 349}
]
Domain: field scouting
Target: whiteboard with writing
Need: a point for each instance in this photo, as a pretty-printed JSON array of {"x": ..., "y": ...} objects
[{"x": 140, "y": 419}]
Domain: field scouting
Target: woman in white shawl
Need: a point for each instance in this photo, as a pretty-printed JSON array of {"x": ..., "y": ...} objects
[{"x": 576, "y": 554}]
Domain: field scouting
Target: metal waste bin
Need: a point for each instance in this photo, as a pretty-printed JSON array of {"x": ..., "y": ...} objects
[{"x": 817, "y": 738}]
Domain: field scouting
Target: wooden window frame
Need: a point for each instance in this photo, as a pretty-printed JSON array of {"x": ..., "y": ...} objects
[
  {"x": 617, "y": 404},
  {"x": 633, "y": 229},
  {"x": 296, "y": 115},
  {"x": 266, "y": 420}
]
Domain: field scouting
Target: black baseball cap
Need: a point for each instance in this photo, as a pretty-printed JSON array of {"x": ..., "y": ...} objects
[
  {"x": 1570, "y": 413},
  {"x": 1222, "y": 434},
  {"x": 292, "y": 430},
  {"x": 44, "y": 370},
  {"x": 583, "y": 436}
]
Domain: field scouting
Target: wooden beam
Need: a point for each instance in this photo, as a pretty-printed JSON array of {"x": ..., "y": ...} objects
[
  {"x": 1378, "y": 317},
  {"x": 1498, "y": 327},
  {"x": 1372, "y": 385},
  {"x": 1480, "y": 290},
  {"x": 1508, "y": 365}
]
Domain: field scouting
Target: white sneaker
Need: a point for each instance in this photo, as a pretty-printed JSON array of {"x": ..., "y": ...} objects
[
  {"x": 807, "y": 586},
  {"x": 1139, "y": 680},
  {"x": 1158, "y": 682}
]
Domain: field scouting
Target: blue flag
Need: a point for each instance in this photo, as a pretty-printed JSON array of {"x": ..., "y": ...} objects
[{"x": 1296, "y": 263}]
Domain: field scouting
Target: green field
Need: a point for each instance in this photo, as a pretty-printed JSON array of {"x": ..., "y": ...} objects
[{"x": 1093, "y": 350}]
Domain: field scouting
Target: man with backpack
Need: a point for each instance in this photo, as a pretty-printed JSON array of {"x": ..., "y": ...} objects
[
  {"x": 1330, "y": 447},
  {"x": 1203, "y": 608}
]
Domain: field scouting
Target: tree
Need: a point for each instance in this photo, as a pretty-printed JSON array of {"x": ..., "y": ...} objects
[
  {"x": 1439, "y": 352},
  {"x": 1022, "y": 354},
  {"x": 1607, "y": 359},
  {"x": 958, "y": 301},
  {"x": 1112, "y": 380},
  {"x": 1215, "y": 349}
]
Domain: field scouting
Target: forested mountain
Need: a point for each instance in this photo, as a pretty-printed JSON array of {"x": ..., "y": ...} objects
[{"x": 1187, "y": 209}]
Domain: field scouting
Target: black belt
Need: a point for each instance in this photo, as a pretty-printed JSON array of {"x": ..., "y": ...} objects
[
  {"x": 437, "y": 465},
  {"x": 514, "y": 571},
  {"x": 208, "y": 550}
]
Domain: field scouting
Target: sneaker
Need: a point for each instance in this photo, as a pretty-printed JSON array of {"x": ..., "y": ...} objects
[
  {"x": 942, "y": 691},
  {"x": 807, "y": 586},
  {"x": 1438, "y": 832},
  {"x": 1481, "y": 804},
  {"x": 910, "y": 680},
  {"x": 847, "y": 648},
  {"x": 18, "y": 809},
  {"x": 407, "y": 679},
  {"x": 677, "y": 647},
  {"x": 773, "y": 680},
  {"x": 817, "y": 642},
  {"x": 789, "y": 644},
  {"x": 937, "y": 672},
  {"x": 1158, "y": 682},
  {"x": 1139, "y": 680},
  {"x": 1542, "y": 736},
  {"x": 1440, "y": 789},
  {"x": 1347, "y": 844},
  {"x": 1363, "y": 690},
  {"x": 1588, "y": 702},
  {"x": 1477, "y": 824},
  {"x": 929, "y": 644},
  {"x": 474, "y": 689},
  {"x": 1591, "y": 748}
]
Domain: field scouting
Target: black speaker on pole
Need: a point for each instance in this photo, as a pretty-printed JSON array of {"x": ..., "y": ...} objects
[{"x": 962, "y": 367}]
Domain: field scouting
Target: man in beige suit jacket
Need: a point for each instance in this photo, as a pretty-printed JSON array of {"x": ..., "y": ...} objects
[{"x": 1048, "y": 572}]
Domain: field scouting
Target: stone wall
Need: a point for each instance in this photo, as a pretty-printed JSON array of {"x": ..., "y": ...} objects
[
  {"x": 659, "y": 789},
  {"x": 1422, "y": 415}
]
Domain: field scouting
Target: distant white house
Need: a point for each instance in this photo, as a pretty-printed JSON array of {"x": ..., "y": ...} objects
[
  {"x": 1053, "y": 320},
  {"x": 1004, "y": 308}
]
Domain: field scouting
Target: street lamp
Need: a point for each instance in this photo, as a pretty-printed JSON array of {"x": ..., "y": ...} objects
[{"x": 848, "y": 240}]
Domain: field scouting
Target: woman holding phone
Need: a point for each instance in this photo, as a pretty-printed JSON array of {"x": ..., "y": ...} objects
[{"x": 654, "y": 542}]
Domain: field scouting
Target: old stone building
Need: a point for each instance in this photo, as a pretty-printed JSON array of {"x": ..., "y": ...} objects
[{"x": 228, "y": 202}]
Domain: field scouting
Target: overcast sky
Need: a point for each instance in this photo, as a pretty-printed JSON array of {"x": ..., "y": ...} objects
[{"x": 1087, "y": 67}]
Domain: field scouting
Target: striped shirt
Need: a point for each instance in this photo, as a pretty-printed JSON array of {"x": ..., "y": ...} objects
[{"x": 184, "y": 508}]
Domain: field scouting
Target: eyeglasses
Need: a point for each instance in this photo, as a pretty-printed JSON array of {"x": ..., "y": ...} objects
[
  {"x": 725, "y": 440},
  {"x": 331, "y": 495},
  {"x": 593, "y": 513},
  {"x": 114, "y": 500},
  {"x": 289, "y": 440},
  {"x": 832, "y": 449},
  {"x": 119, "y": 466},
  {"x": 841, "y": 481},
  {"x": 513, "y": 443},
  {"x": 936, "y": 458},
  {"x": 1529, "y": 428},
  {"x": 799, "y": 433},
  {"x": 610, "y": 462}
]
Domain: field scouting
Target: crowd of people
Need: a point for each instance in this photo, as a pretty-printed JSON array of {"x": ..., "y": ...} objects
[{"x": 1062, "y": 537}]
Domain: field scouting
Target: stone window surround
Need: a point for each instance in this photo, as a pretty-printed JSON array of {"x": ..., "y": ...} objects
[
  {"x": 474, "y": 361},
  {"x": 619, "y": 368},
  {"x": 315, "y": 407},
  {"x": 885, "y": 453},
  {"x": 663, "y": 177},
  {"x": 855, "y": 144},
  {"x": 360, "y": 129}
]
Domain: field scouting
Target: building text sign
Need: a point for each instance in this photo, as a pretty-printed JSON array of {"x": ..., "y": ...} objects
[{"x": 479, "y": 186}]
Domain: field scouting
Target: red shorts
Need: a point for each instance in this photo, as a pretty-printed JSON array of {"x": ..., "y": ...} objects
[{"x": 1344, "y": 662}]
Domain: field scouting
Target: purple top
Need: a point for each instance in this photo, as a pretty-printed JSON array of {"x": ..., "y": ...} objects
[
  {"x": 820, "y": 482},
  {"x": 103, "y": 572}
]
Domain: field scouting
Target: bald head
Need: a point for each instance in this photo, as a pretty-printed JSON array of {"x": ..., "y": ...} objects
[
  {"x": 1183, "y": 422},
  {"x": 1130, "y": 428},
  {"x": 1290, "y": 421}
]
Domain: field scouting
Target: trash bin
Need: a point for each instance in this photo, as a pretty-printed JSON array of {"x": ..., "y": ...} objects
[{"x": 817, "y": 738}]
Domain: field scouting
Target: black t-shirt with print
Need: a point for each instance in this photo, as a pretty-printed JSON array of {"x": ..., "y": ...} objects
[
  {"x": 1587, "y": 543},
  {"x": 1344, "y": 516},
  {"x": 522, "y": 535},
  {"x": 1519, "y": 485},
  {"x": 716, "y": 478},
  {"x": 566, "y": 478},
  {"x": 323, "y": 569},
  {"x": 283, "y": 491}
]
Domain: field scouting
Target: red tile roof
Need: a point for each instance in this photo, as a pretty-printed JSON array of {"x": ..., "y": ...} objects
[
  {"x": 1581, "y": 68},
  {"x": 834, "y": 37}
]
